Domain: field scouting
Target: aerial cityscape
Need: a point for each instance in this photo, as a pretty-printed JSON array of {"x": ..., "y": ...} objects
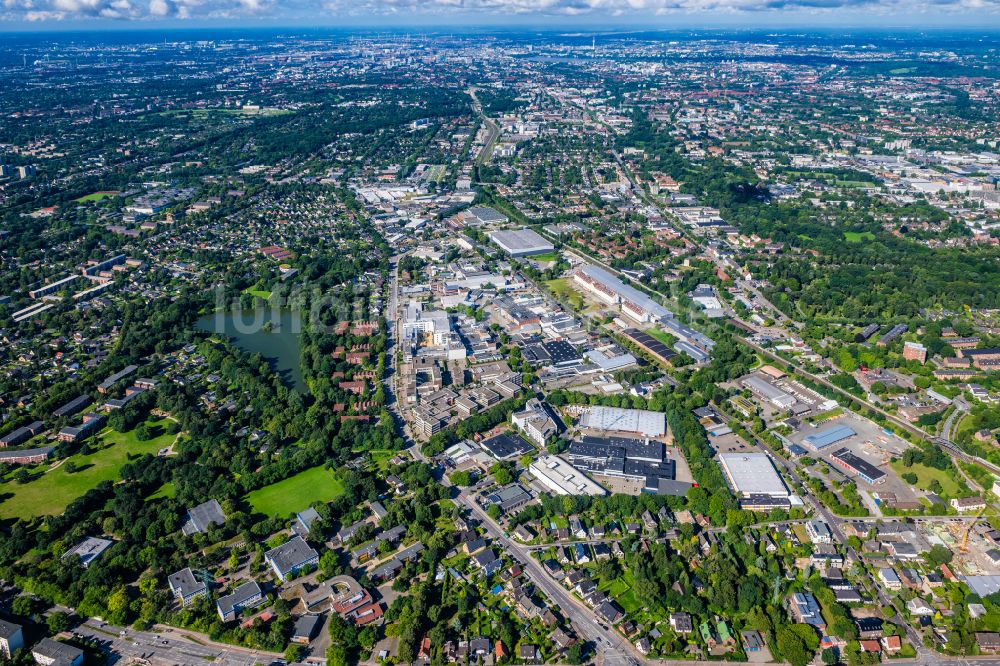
[{"x": 497, "y": 346}]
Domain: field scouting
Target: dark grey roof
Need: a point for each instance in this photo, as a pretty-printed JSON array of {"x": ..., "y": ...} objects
[
  {"x": 410, "y": 552},
  {"x": 184, "y": 583},
  {"x": 26, "y": 453},
  {"x": 290, "y": 555},
  {"x": 306, "y": 626},
  {"x": 60, "y": 654},
  {"x": 506, "y": 446},
  {"x": 73, "y": 406},
  {"x": 8, "y": 629},
  {"x": 240, "y": 595},
  {"x": 203, "y": 516},
  {"x": 121, "y": 374}
]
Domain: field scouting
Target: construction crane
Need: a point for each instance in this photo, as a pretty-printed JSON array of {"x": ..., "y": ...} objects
[{"x": 964, "y": 548}]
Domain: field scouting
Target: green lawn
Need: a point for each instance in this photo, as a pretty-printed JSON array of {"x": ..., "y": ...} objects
[
  {"x": 97, "y": 196},
  {"x": 259, "y": 293},
  {"x": 562, "y": 289},
  {"x": 858, "y": 236},
  {"x": 662, "y": 336},
  {"x": 53, "y": 490},
  {"x": 166, "y": 490},
  {"x": 296, "y": 493},
  {"x": 548, "y": 256},
  {"x": 381, "y": 457},
  {"x": 925, "y": 475}
]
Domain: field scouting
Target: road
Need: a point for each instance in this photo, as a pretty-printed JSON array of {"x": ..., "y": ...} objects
[
  {"x": 949, "y": 447},
  {"x": 961, "y": 409},
  {"x": 611, "y": 647},
  {"x": 170, "y": 647}
]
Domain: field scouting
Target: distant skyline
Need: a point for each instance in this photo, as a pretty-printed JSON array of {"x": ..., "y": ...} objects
[{"x": 33, "y": 15}]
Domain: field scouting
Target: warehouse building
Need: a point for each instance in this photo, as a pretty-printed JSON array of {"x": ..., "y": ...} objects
[
  {"x": 609, "y": 289},
  {"x": 829, "y": 437},
  {"x": 647, "y": 343},
  {"x": 521, "y": 242},
  {"x": 562, "y": 478},
  {"x": 856, "y": 465},
  {"x": 769, "y": 392},
  {"x": 752, "y": 475},
  {"x": 637, "y": 459},
  {"x": 637, "y": 421}
]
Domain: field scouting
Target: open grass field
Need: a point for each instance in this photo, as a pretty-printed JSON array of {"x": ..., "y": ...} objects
[
  {"x": 925, "y": 475},
  {"x": 52, "y": 490},
  {"x": 563, "y": 290},
  {"x": 296, "y": 493},
  {"x": 381, "y": 457},
  {"x": 662, "y": 336},
  {"x": 858, "y": 236},
  {"x": 621, "y": 589},
  {"x": 259, "y": 293},
  {"x": 97, "y": 196},
  {"x": 548, "y": 256}
]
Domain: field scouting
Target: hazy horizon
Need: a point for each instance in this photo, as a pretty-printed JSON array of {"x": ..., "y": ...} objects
[{"x": 478, "y": 15}]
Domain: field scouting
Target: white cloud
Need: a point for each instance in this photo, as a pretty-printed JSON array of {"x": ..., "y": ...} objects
[{"x": 54, "y": 10}]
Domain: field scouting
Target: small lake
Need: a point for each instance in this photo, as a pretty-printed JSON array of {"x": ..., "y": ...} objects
[{"x": 278, "y": 343}]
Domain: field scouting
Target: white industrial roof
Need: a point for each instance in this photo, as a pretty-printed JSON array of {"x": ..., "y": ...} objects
[
  {"x": 752, "y": 474},
  {"x": 516, "y": 241},
  {"x": 650, "y": 424},
  {"x": 768, "y": 390},
  {"x": 563, "y": 478}
]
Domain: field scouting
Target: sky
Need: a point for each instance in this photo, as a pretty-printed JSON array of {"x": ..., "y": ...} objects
[{"x": 30, "y": 15}]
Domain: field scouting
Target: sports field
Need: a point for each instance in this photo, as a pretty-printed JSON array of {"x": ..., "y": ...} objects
[
  {"x": 55, "y": 486},
  {"x": 97, "y": 196},
  {"x": 296, "y": 492}
]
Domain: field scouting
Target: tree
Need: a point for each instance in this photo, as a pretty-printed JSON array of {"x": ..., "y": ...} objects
[
  {"x": 792, "y": 648},
  {"x": 502, "y": 473},
  {"x": 24, "y": 605},
  {"x": 293, "y": 653},
  {"x": 939, "y": 555},
  {"x": 576, "y": 653},
  {"x": 57, "y": 622},
  {"x": 829, "y": 657},
  {"x": 461, "y": 478}
]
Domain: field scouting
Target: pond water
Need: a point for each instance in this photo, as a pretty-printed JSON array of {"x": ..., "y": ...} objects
[{"x": 274, "y": 334}]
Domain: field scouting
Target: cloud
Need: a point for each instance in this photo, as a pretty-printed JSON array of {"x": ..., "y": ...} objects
[{"x": 152, "y": 10}]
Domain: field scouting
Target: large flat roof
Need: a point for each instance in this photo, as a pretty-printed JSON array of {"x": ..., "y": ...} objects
[
  {"x": 563, "y": 478},
  {"x": 521, "y": 241},
  {"x": 829, "y": 436},
  {"x": 752, "y": 474},
  {"x": 625, "y": 291},
  {"x": 650, "y": 424}
]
